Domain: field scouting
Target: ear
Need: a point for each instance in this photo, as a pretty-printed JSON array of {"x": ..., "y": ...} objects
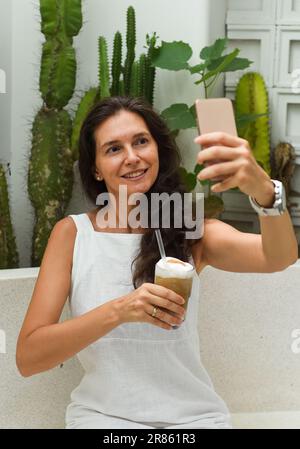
[{"x": 98, "y": 175}]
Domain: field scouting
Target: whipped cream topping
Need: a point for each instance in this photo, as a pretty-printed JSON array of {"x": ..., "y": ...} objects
[{"x": 173, "y": 267}]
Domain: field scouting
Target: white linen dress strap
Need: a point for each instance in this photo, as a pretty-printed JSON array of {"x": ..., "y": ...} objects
[{"x": 82, "y": 222}]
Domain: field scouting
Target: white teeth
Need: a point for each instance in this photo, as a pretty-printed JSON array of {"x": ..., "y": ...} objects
[{"x": 134, "y": 175}]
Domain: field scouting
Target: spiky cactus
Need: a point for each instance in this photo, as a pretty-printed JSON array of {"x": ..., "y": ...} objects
[
  {"x": 149, "y": 70},
  {"x": 135, "y": 78},
  {"x": 50, "y": 175},
  {"x": 116, "y": 67},
  {"x": 8, "y": 251},
  {"x": 130, "y": 43},
  {"x": 86, "y": 103},
  {"x": 61, "y": 21},
  {"x": 252, "y": 98},
  {"x": 103, "y": 68},
  {"x": 135, "y": 81}
]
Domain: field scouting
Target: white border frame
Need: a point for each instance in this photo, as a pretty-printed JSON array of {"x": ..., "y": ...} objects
[
  {"x": 266, "y": 35},
  {"x": 264, "y": 16},
  {"x": 285, "y": 14},
  {"x": 284, "y": 36}
]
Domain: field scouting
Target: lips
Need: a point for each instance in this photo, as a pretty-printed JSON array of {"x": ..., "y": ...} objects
[{"x": 135, "y": 175}]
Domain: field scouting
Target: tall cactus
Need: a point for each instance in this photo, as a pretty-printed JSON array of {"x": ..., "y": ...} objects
[
  {"x": 252, "y": 98},
  {"x": 116, "y": 67},
  {"x": 143, "y": 75},
  {"x": 8, "y": 251},
  {"x": 149, "y": 70},
  {"x": 130, "y": 43},
  {"x": 61, "y": 21},
  {"x": 50, "y": 173},
  {"x": 103, "y": 68},
  {"x": 135, "y": 81},
  {"x": 86, "y": 103}
]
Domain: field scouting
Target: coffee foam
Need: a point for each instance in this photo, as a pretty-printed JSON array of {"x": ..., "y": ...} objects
[{"x": 173, "y": 267}]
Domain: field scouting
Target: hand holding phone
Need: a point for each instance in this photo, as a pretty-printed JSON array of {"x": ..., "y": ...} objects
[{"x": 215, "y": 114}]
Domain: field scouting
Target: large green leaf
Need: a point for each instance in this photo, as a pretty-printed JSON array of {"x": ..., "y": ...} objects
[
  {"x": 198, "y": 68},
  {"x": 189, "y": 179},
  {"x": 197, "y": 170},
  {"x": 179, "y": 116},
  {"x": 213, "y": 206},
  {"x": 231, "y": 66},
  {"x": 172, "y": 55},
  {"x": 214, "y": 51},
  {"x": 220, "y": 65},
  {"x": 245, "y": 119},
  {"x": 193, "y": 112}
]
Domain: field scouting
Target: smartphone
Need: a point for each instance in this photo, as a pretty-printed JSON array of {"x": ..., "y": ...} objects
[{"x": 215, "y": 114}]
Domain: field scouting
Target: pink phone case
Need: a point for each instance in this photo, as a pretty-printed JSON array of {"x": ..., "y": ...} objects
[{"x": 215, "y": 114}]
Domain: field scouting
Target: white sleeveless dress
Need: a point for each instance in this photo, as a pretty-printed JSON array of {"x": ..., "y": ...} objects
[{"x": 137, "y": 375}]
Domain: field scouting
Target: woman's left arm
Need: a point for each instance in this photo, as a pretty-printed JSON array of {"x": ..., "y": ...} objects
[{"x": 277, "y": 244}]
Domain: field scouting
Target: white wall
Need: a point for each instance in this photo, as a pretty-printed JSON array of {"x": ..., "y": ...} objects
[
  {"x": 5, "y": 90},
  {"x": 197, "y": 22}
]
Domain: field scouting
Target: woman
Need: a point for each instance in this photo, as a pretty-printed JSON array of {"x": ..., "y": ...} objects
[{"x": 141, "y": 373}]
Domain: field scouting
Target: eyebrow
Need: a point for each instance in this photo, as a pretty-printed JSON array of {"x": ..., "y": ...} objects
[{"x": 113, "y": 142}]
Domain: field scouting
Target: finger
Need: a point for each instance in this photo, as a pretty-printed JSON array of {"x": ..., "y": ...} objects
[
  {"x": 220, "y": 169},
  {"x": 163, "y": 292},
  {"x": 228, "y": 183},
  {"x": 218, "y": 152},
  {"x": 158, "y": 323},
  {"x": 166, "y": 304},
  {"x": 217, "y": 138},
  {"x": 163, "y": 315}
]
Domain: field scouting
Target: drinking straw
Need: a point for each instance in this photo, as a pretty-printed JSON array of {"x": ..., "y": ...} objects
[{"x": 160, "y": 244}]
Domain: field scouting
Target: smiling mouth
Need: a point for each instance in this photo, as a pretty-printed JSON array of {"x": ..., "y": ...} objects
[{"x": 134, "y": 176}]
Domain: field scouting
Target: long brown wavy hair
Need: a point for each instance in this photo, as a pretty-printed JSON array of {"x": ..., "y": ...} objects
[{"x": 168, "y": 180}]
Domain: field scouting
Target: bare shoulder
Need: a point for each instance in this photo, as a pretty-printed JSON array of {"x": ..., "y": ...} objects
[{"x": 62, "y": 238}]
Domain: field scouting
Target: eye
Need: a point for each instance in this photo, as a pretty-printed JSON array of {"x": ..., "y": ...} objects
[
  {"x": 110, "y": 150},
  {"x": 142, "y": 141}
]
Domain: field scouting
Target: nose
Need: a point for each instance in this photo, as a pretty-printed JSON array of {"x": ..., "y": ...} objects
[{"x": 131, "y": 156}]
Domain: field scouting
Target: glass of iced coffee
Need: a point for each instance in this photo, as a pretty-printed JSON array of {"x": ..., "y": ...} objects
[{"x": 176, "y": 275}]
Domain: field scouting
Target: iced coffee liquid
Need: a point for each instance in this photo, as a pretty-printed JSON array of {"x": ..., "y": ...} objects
[
  {"x": 182, "y": 287},
  {"x": 177, "y": 276}
]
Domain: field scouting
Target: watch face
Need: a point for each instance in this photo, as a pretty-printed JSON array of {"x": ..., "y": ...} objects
[
  {"x": 281, "y": 197},
  {"x": 279, "y": 205}
]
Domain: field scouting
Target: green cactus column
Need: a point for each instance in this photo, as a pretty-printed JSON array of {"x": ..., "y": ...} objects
[
  {"x": 252, "y": 98},
  {"x": 130, "y": 44},
  {"x": 8, "y": 250},
  {"x": 50, "y": 175}
]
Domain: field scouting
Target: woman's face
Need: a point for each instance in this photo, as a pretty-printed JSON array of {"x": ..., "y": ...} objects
[{"x": 126, "y": 154}]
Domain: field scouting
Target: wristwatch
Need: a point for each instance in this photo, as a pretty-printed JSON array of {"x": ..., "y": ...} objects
[{"x": 279, "y": 205}]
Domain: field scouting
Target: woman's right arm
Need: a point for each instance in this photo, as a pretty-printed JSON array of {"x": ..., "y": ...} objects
[{"x": 44, "y": 343}]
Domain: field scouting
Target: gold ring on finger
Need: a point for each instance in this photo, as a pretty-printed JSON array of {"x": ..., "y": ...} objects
[{"x": 154, "y": 311}]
